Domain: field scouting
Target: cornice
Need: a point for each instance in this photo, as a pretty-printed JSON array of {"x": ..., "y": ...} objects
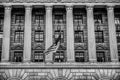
[
  {"x": 110, "y": 65},
  {"x": 59, "y": 1}
]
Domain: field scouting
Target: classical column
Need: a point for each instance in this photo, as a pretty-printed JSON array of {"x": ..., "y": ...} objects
[
  {"x": 6, "y": 34},
  {"x": 70, "y": 34},
  {"x": 112, "y": 34},
  {"x": 27, "y": 34},
  {"x": 49, "y": 35},
  {"x": 91, "y": 34}
]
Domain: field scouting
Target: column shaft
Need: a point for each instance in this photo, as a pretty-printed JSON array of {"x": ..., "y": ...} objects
[
  {"x": 112, "y": 34},
  {"x": 91, "y": 34},
  {"x": 27, "y": 34},
  {"x": 49, "y": 35},
  {"x": 70, "y": 34},
  {"x": 6, "y": 34}
]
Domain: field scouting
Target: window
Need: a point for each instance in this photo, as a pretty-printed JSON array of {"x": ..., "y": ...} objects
[
  {"x": 19, "y": 18},
  {"x": 117, "y": 19},
  {"x": 38, "y": 56},
  {"x": 18, "y": 56},
  {"x": 99, "y": 36},
  {"x": 78, "y": 19},
  {"x": 59, "y": 56},
  {"x": 19, "y": 36},
  {"x": 98, "y": 19},
  {"x": 79, "y": 36},
  {"x": 0, "y": 48},
  {"x": 119, "y": 56},
  {"x": 79, "y": 56},
  {"x": 101, "y": 56},
  {"x": 1, "y": 22},
  {"x": 39, "y": 36}
]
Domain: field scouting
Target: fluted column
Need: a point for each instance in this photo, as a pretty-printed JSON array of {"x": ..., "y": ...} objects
[
  {"x": 70, "y": 34},
  {"x": 6, "y": 34},
  {"x": 112, "y": 34},
  {"x": 27, "y": 34},
  {"x": 91, "y": 34},
  {"x": 48, "y": 37}
]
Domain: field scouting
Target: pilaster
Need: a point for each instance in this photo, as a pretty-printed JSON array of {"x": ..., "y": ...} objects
[
  {"x": 49, "y": 35},
  {"x": 112, "y": 34},
  {"x": 27, "y": 34},
  {"x": 6, "y": 34},
  {"x": 70, "y": 34},
  {"x": 91, "y": 34}
]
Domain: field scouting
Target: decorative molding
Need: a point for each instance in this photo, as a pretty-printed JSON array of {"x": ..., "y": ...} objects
[{"x": 60, "y": 1}]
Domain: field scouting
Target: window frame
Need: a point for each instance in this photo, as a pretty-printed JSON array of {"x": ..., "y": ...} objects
[
  {"x": 60, "y": 56},
  {"x": 80, "y": 56},
  {"x": 39, "y": 54},
  {"x": 101, "y": 58},
  {"x": 16, "y": 55},
  {"x": 39, "y": 36}
]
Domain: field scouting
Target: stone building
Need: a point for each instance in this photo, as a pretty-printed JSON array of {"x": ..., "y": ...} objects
[{"x": 89, "y": 45}]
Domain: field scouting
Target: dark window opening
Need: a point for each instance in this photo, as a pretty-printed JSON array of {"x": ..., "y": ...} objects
[
  {"x": 101, "y": 57},
  {"x": 19, "y": 36},
  {"x": 79, "y": 56},
  {"x": 98, "y": 19},
  {"x": 18, "y": 56},
  {"x": 99, "y": 36},
  {"x": 59, "y": 56},
  {"x": 39, "y": 56},
  {"x": 79, "y": 36}
]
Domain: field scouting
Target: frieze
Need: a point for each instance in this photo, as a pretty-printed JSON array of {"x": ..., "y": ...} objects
[{"x": 61, "y": 1}]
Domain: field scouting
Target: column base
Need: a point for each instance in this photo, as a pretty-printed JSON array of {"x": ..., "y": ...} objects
[
  {"x": 92, "y": 60},
  {"x": 26, "y": 61},
  {"x": 3, "y": 60},
  {"x": 114, "y": 60}
]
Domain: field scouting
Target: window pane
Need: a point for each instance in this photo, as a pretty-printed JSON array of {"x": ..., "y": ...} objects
[
  {"x": 99, "y": 36},
  {"x": 100, "y": 56},
  {"x": 39, "y": 36}
]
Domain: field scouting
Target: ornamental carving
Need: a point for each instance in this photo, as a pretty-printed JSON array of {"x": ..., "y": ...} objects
[{"x": 62, "y": 1}]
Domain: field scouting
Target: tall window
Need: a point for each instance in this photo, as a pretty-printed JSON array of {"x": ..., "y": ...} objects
[
  {"x": 18, "y": 56},
  {"x": 59, "y": 56},
  {"x": 59, "y": 27},
  {"x": 79, "y": 56},
  {"x": 38, "y": 56}
]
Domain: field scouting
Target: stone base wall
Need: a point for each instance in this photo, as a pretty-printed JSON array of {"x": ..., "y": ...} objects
[{"x": 60, "y": 74}]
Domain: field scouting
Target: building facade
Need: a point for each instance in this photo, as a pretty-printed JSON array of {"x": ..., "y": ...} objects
[{"x": 89, "y": 45}]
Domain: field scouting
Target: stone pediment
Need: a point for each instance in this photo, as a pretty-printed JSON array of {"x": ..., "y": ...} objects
[
  {"x": 60, "y": 1},
  {"x": 101, "y": 47},
  {"x": 39, "y": 47},
  {"x": 79, "y": 47},
  {"x": 17, "y": 47}
]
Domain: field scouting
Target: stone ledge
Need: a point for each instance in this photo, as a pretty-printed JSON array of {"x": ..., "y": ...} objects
[
  {"x": 61, "y": 1},
  {"x": 110, "y": 65}
]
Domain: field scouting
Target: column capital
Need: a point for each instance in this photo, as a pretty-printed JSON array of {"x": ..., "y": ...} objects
[
  {"x": 110, "y": 7},
  {"x": 28, "y": 7},
  {"x": 8, "y": 7},
  {"x": 89, "y": 7},
  {"x": 69, "y": 7},
  {"x": 48, "y": 7}
]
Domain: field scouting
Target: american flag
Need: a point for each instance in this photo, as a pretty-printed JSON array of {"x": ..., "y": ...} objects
[{"x": 54, "y": 47}]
